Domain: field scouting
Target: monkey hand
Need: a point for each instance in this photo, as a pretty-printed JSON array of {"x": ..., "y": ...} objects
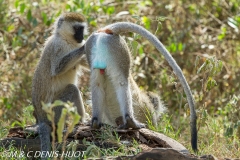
[{"x": 131, "y": 123}]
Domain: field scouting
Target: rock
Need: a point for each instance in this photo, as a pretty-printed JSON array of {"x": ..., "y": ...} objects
[
  {"x": 167, "y": 142},
  {"x": 163, "y": 154}
]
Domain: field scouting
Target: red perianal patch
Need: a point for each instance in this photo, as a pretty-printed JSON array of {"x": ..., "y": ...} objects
[{"x": 102, "y": 71}]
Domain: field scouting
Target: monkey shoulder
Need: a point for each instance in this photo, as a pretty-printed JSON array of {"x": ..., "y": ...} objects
[{"x": 49, "y": 46}]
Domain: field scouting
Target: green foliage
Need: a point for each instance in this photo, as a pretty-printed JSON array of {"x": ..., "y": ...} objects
[
  {"x": 69, "y": 112},
  {"x": 25, "y": 118},
  {"x": 108, "y": 134},
  {"x": 3, "y": 11},
  {"x": 219, "y": 128},
  {"x": 146, "y": 22},
  {"x": 211, "y": 67},
  {"x": 230, "y": 113},
  {"x": 223, "y": 33},
  {"x": 4, "y": 127},
  {"x": 12, "y": 153}
]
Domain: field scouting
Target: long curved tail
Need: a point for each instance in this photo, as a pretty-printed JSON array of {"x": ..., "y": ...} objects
[{"x": 121, "y": 27}]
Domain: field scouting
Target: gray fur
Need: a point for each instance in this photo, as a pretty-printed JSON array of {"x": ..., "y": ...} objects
[
  {"x": 69, "y": 61},
  {"x": 56, "y": 77},
  {"x": 115, "y": 94},
  {"x": 119, "y": 60},
  {"x": 120, "y": 27}
]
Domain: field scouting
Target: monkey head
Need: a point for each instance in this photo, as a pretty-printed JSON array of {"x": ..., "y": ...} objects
[{"x": 71, "y": 26}]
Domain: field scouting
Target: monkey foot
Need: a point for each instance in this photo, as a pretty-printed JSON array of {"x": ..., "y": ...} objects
[
  {"x": 95, "y": 123},
  {"x": 131, "y": 123}
]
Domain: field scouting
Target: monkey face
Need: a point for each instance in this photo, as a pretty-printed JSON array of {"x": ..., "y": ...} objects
[
  {"x": 78, "y": 32},
  {"x": 72, "y": 31}
]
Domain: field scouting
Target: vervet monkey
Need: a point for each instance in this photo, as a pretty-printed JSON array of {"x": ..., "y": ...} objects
[
  {"x": 112, "y": 86},
  {"x": 56, "y": 75}
]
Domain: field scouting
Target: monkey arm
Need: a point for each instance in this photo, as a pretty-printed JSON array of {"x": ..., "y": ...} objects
[{"x": 68, "y": 62}]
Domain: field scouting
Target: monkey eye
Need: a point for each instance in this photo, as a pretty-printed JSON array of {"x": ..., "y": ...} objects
[{"x": 77, "y": 28}]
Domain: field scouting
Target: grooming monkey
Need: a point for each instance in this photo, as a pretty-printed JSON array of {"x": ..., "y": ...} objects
[
  {"x": 56, "y": 74},
  {"x": 114, "y": 92}
]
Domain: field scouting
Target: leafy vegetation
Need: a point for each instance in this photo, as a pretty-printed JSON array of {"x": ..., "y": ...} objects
[{"x": 202, "y": 36}]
